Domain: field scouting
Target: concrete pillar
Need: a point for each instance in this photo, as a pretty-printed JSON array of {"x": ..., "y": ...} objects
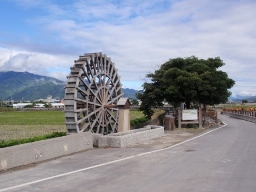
[
  {"x": 169, "y": 122},
  {"x": 123, "y": 120}
]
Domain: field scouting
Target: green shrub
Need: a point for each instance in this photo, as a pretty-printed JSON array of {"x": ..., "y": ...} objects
[{"x": 138, "y": 120}]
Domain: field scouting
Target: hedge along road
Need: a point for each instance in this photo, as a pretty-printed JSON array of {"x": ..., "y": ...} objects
[{"x": 220, "y": 159}]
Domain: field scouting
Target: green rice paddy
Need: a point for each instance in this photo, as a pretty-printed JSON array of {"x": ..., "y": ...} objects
[{"x": 27, "y": 124}]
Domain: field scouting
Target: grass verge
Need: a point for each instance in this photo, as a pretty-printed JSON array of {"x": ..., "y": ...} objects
[{"x": 9, "y": 143}]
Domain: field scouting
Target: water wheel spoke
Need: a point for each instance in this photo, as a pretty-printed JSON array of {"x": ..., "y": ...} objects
[
  {"x": 91, "y": 91},
  {"x": 83, "y": 92},
  {"x": 87, "y": 117},
  {"x": 91, "y": 73},
  {"x": 100, "y": 119},
  {"x": 96, "y": 121},
  {"x": 86, "y": 101},
  {"x": 110, "y": 115},
  {"x": 114, "y": 100},
  {"x": 80, "y": 110},
  {"x": 108, "y": 82},
  {"x": 85, "y": 127},
  {"x": 101, "y": 94},
  {"x": 86, "y": 75}
]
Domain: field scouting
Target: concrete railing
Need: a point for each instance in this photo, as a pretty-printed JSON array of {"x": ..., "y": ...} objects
[
  {"x": 244, "y": 116},
  {"x": 28, "y": 153},
  {"x": 24, "y": 154}
]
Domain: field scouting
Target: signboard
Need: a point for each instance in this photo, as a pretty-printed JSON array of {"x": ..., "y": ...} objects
[{"x": 189, "y": 114}]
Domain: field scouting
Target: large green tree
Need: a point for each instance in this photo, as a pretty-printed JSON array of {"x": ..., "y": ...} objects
[{"x": 189, "y": 80}]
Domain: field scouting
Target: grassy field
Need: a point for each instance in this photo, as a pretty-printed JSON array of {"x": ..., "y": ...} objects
[
  {"x": 135, "y": 114},
  {"x": 32, "y": 118},
  {"x": 27, "y": 124}
]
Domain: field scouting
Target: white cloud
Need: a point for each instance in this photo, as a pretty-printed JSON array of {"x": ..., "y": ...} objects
[
  {"x": 17, "y": 62},
  {"x": 39, "y": 63}
]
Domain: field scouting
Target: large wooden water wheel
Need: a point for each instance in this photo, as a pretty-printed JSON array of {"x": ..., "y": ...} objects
[{"x": 91, "y": 94}]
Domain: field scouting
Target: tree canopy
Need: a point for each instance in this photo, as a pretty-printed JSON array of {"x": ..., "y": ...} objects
[{"x": 189, "y": 80}]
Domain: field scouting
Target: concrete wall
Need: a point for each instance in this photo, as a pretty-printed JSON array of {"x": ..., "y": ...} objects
[
  {"x": 129, "y": 138},
  {"x": 25, "y": 154}
]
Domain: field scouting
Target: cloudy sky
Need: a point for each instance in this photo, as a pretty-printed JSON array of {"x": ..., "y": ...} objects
[{"x": 46, "y": 36}]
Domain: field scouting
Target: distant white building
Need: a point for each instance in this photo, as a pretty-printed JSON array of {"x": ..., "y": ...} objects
[
  {"x": 39, "y": 105},
  {"x": 49, "y": 99},
  {"x": 20, "y": 105},
  {"x": 57, "y": 105}
]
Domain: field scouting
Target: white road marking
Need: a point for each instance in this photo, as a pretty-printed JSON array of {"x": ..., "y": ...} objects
[{"x": 108, "y": 163}]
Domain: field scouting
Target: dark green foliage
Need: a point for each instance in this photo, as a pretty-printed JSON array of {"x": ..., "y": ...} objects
[
  {"x": 9, "y": 143},
  {"x": 134, "y": 102},
  {"x": 138, "y": 120},
  {"x": 189, "y": 80}
]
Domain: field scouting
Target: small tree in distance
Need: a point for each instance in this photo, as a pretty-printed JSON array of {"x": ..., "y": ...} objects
[
  {"x": 135, "y": 102},
  {"x": 186, "y": 80}
]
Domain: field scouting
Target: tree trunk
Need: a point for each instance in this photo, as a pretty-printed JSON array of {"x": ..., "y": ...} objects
[{"x": 187, "y": 104}]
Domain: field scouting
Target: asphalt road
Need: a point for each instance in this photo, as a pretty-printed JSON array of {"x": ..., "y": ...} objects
[{"x": 219, "y": 159}]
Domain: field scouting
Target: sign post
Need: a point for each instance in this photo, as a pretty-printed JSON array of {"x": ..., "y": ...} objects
[{"x": 190, "y": 116}]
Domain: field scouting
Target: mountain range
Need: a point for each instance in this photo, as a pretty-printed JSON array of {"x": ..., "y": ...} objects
[
  {"x": 25, "y": 86},
  {"x": 240, "y": 98}
]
